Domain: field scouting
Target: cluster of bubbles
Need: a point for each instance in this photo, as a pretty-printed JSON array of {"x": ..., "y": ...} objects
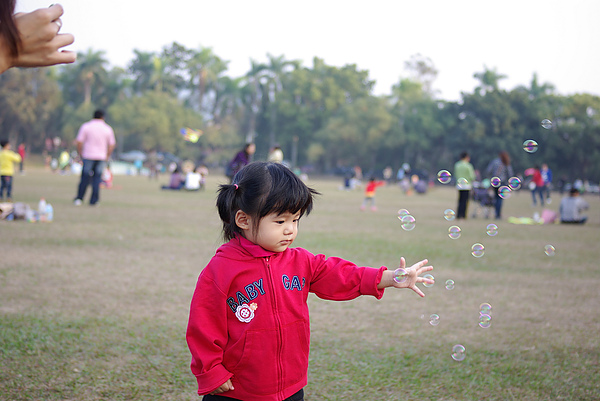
[
  {"x": 408, "y": 221},
  {"x": 477, "y": 250},
  {"x": 485, "y": 315}
]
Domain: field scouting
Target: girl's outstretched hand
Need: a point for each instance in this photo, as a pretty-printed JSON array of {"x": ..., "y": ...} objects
[{"x": 409, "y": 278}]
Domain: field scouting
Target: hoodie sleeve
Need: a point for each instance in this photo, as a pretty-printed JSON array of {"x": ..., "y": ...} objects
[
  {"x": 207, "y": 334},
  {"x": 340, "y": 280}
]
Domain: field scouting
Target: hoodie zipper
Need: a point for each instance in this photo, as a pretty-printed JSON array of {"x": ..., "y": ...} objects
[{"x": 278, "y": 321}]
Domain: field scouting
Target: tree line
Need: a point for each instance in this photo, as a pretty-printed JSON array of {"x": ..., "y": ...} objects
[{"x": 323, "y": 117}]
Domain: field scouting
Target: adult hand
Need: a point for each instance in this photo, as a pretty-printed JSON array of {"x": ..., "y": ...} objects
[{"x": 40, "y": 39}]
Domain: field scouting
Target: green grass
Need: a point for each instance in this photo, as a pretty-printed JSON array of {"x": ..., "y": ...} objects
[{"x": 94, "y": 305}]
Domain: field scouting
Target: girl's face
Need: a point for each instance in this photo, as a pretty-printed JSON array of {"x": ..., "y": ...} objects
[{"x": 275, "y": 232}]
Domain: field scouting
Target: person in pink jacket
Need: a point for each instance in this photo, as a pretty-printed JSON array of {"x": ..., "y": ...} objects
[{"x": 248, "y": 329}]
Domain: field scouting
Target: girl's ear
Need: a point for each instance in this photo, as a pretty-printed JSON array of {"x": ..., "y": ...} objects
[{"x": 242, "y": 220}]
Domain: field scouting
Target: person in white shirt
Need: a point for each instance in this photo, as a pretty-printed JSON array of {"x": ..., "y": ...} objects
[{"x": 571, "y": 207}]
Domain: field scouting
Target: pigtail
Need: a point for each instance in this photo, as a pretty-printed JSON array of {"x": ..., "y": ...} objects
[{"x": 227, "y": 206}]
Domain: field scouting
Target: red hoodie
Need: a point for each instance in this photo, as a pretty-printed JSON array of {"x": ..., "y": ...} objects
[{"x": 249, "y": 317}]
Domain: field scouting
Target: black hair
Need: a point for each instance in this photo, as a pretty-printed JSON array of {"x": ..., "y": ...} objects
[
  {"x": 99, "y": 114},
  {"x": 259, "y": 189},
  {"x": 463, "y": 155},
  {"x": 3, "y": 143}
]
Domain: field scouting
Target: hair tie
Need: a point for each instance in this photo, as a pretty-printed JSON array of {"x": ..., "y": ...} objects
[{"x": 236, "y": 186}]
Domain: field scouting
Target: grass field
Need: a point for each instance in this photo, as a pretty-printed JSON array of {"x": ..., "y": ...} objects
[{"x": 94, "y": 305}]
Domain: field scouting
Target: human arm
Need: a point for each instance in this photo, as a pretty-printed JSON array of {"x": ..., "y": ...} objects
[
  {"x": 109, "y": 151},
  {"x": 39, "y": 41},
  {"x": 411, "y": 278},
  {"x": 207, "y": 336}
]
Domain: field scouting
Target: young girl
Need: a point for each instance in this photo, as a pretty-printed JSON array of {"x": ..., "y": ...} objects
[{"x": 248, "y": 330}]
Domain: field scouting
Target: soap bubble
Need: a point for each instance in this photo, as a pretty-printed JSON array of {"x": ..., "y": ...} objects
[
  {"x": 530, "y": 146},
  {"x": 444, "y": 176},
  {"x": 434, "y": 319},
  {"x": 491, "y": 229},
  {"x": 400, "y": 275},
  {"x": 547, "y": 124},
  {"x": 449, "y": 214},
  {"x": 549, "y": 250},
  {"x": 514, "y": 183},
  {"x": 495, "y": 182},
  {"x": 408, "y": 223},
  {"x": 462, "y": 183},
  {"x": 429, "y": 276},
  {"x": 449, "y": 284},
  {"x": 485, "y": 320},
  {"x": 402, "y": 213},
  {"x": 454, "y": 232},
  {"x": 477, "y": 250},
  {"x": 504, "y": 192},
  {"x": 485, "y": 309},
  {"x": 458, "y": 352}
]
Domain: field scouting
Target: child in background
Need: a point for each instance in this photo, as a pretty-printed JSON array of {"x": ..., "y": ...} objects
[
  {"x": 370, "y": 194},
  {"x": 8, "y": 158},
  {"x": 248, "y": 329}
]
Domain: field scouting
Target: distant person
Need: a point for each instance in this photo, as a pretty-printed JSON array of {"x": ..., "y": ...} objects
[
  {"x": 21, "y": 152},
  {"x": 249, "y": 327},
  {"x": 537, "y": 185},
  {"x": 193, "y": 180},
  {"x": 242, "y": 158},
  {"x": 32, "y": 39},
  {"x": 8, "y": 158},
  {"x": 177, "y": 180},
  {"x": 95, "y": 143},
  {"x": 107, "y": 177},
  {"x": 547, "y": 177},
  {"x": 465, "y": 177},
  {"x": 275, "y": 155},
  {"x": 153, "y": 164},
  {"x": 387, "y": 174},
  {"x": 571, "y": 207},
  {"x": 370, "y": 190},
  {"x": 500, "y": 167}
]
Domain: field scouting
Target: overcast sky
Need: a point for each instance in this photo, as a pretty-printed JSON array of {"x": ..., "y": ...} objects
[{"x": 560, "y": 40}]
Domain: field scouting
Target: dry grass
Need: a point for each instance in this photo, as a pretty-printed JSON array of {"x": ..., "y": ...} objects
[{"x": 94, "y": 305}]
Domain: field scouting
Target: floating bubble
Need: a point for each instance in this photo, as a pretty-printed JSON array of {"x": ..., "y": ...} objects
[
  {"x": 444, "y": 176},
  {"x": 402, "y": 213},
  {"x": 485, "y": 309},
  {"x": 449, "y": 284},
  {"x": 549, "y": 250},
  {"x": 477, "y": 250},
  {"x": 485, "y": 320},
  {"x": 434, "y": 319},
  {"x": 408, "y": 223},
  {"x": 491, "y": 230},
  {"x": 429, "y": 276},
  {"x": 400, "y": 275},
  {"x": 449, "y": 214},
  {"x": 514, "y": 183},
  {"x": 458, "y": 352},
  {"x": 547, "y": 124},
  {"x": 530, "y": 146},
  {"x": 462, "y": 183},
  {"x": 495, "y": 182},
  {"x": 504, "y": 192},
  {"x": 454, "y": 232}
]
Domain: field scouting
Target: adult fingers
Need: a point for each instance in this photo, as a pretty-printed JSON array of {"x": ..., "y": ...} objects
[{"x": 55, "y": 11}]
